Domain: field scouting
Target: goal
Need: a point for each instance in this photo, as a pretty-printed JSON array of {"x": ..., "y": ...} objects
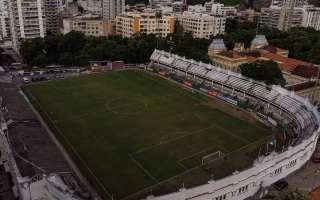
[{"x": 207, "y": 159}]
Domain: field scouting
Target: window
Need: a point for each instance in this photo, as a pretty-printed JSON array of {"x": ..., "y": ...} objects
[
  {"x": 243, "y": 189},
  {"x": 222, "y": 197}
]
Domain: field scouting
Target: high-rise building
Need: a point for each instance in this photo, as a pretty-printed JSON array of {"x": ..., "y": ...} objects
[
  {"x": 311, "y": 17},
  {"x": 112, "y": 8},
  {"x": 52, "y": 10},
  {"x": 202, "y": 25},
  {"x": 294, "y": 3},
  {"x": 288, "y": 16},
  {"x": 4, "y": 21},
  {"x": 27, "y": 20}
]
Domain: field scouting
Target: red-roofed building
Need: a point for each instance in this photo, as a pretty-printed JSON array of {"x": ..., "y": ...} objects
[
  {"x": 284, "y": 63},
  {"x": 298, "y": 73}
]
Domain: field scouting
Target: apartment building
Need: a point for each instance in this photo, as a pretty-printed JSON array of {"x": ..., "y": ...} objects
[
  {"x": 112, "y": 8},
  {"x": 220, "y": 9},
  {"x": 202, "y": 25},
  {"x": 130, "y": 23},
  {"x": 4, "y": 21},
  {"x": 88, "y": 25},
  {"x": 284, "y": 19},
  {"x": 197, "y": 8},
  {"x": 311, "y": 17},
  {"x": 27, "y": 20},
  {"x": 52, "y": 10},
  {"x": 159, "y": 3},
  {"x": 92, "y": 6}
]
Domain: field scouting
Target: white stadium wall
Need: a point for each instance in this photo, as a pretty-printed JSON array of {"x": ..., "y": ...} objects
[{"x": 266, "y": 170}]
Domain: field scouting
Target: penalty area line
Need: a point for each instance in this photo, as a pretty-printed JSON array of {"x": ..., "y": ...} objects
[{"x": 143, "y": 169}]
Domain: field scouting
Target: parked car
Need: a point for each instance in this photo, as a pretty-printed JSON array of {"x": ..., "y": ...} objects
[
  {"x": 280, "y": 185},
  {"x": 26, "y": 80}
]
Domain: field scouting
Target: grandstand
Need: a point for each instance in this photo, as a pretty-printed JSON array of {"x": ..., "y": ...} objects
[{"x": 294, "y": 110}]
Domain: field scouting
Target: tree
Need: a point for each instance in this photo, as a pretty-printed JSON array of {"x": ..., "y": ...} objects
[
  {"x": 30, "y": 49},
  {"x": 4, "y": 58},
  {"x": 40, "y": 60},
  {"x": 266, "y": 71}
]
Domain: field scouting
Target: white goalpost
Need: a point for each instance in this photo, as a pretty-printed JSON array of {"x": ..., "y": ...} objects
[{"x": 207, "y": 159}]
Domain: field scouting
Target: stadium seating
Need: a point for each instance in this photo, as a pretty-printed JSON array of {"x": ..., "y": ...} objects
[{"x": 284, "y": 101}]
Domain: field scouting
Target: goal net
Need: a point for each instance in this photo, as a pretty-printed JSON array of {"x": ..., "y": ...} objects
[{"x": 207, "y": 159}]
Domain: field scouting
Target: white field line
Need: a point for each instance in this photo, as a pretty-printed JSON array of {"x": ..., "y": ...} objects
[
  {"x": 233, "y": 135},
  {"x": 74, "y": 150},
  {"x": 171, "y": 140},
  {"x": 189, "y": 170},
  {"x": 143, "y": 169},
  {"x": 197, "y": 153},
  {"x": 182, "y": 165}
]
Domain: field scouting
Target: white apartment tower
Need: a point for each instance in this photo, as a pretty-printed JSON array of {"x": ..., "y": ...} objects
[
  {"x": 311, "y": 17},
  {"x": 112, "y": 8},
  {"x": 27, "y": 20},
  {"x": 4, "y": 21}
]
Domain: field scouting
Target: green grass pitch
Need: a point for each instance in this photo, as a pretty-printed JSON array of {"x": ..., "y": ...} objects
[{"x": 129, "y": 130}]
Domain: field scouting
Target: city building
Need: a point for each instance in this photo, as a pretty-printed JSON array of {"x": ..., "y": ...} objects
[
  {"x": 91, "y": 6},
  {"x": 130, "y": 23},
  {"x": 292, "y": 3},
  {"x": 52, "y": 10},
  {"x": 290, "y": 14},
  {"x": 27, "y": 20},
  {"x": 202, "y": 25},
  {"x": 274, "y": 17},
  {"x": 90, "y": 25},
  {"x": 197, "y": 8},
  {"x": 229, "y": 60},
  {"x": 311, "y": 17},
  {"x": 4, "y": 22},
  {"x": 299, "y": 75},
  {"x": 220, "y": 9},
  {"x": 159, "y": 3},
  {"x": 179, "y": 6},
  {"x": 248, "y": 15},
  {"x": 112, "y": 8}
]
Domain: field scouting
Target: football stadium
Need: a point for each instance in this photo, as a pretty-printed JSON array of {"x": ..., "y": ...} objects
[{"x": 179, "y": 129}]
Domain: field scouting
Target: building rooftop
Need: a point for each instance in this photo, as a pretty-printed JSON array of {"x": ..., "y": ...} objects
[
  {"x": 284, "y": 63},
  {"x": 273, "y": 49},
  {"x": 259, "y": 41},
  {"x": 231, "y": 54},
  {"x": 217, "y": 44}
]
